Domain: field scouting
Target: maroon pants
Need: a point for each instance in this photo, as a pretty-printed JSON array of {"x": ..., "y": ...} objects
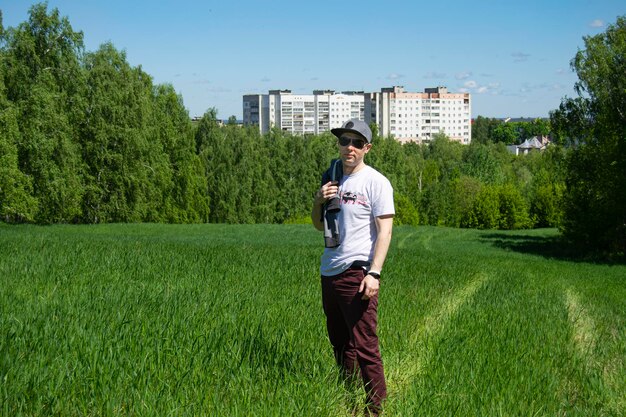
[{"x": 351, "y": 324}]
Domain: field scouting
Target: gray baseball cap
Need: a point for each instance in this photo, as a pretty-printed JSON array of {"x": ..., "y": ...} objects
[{"x": 355, "y": 126}]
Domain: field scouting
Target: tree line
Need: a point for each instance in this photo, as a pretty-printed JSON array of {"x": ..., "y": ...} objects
[{"x": 87, "y": 138}]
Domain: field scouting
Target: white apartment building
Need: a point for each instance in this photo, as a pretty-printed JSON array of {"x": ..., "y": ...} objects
[
  {"x": 419, "y": 116},
  {"x": 302, "y": 113},
  {"x": 405, "y": 116}
]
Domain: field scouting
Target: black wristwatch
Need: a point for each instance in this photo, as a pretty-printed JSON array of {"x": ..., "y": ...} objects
[{"x": 374, "y": 274}]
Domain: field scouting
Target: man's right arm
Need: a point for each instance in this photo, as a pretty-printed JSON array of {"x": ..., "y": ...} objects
[
  {"x": 316, "y": 215},
  {"x": 325, "y": 192}
]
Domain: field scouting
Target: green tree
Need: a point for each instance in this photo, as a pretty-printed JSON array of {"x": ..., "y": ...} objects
[
  {"x": 483, "y": 129},
  {"x": 387, "y": 156},
  {"x": 447, "y": 154},
  {"x": 51, "y": 155},
  {"x": 546, "y": 208},
  {"x": 513, "y": 208},
  {"x": 44, "y": 81},
  {"x": 467, "y": 191},
  {"x": 485, "y": 212},
  {"x": 538, "y": 127},
  {"x": 128, "y": 171},
  {"x": 218, "y": 157},
  {"x": 543, "y": 189},
  {"x": 507, "y": 133},
  {"x": 595, "y": 201},
  {"x": 16, "y": 201},
  {"x": 406, "y": 213},
  {"x": 413, "y": 174},
  {"x": 442, "y": 167},
  {"x": 482, "y": 161},
  {"x": 185, "y": 196}
]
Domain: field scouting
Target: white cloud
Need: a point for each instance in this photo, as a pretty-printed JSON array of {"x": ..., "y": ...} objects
[
  {"x": 531, "y": 88},
  {"x": 265, "y": 80},
  {"x": 218, "y": 90},
  {"x": 597, "y": 23},
  {"x": 520, "y": 56},
  {"x": 463, "y": 75},
  {"x": 394, "y": 76},
  {"x": 436, "y": 75},
  {"x": 471, "y": 86}
]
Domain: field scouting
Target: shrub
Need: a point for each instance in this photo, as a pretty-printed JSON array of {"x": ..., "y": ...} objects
[
  {"x": 485, "y": 212},
  {"x": 546, "y": 205},
  {"x": 406, "y": 213},
  {"x": 467, "y": 190},
  {"x": 513, "y": 209}
]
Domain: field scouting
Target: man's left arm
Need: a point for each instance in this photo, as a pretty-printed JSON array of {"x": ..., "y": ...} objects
[{"x": 369, "y": 285}]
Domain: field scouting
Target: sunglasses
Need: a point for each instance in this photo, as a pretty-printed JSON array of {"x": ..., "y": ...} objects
[{"x": 357, "y": 143}]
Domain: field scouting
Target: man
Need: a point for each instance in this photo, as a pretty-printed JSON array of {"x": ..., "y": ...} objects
[{"x": 351, "y": 269}]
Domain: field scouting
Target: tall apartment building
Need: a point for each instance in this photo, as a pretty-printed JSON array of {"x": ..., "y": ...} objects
[
  {"x": 418, "y": 116},
  {"x": 302, "y": 113},
  {"x": 405, "y": 116}
]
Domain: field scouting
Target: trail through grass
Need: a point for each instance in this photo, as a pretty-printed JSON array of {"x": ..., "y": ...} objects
[{"x": 412, "y": 363}]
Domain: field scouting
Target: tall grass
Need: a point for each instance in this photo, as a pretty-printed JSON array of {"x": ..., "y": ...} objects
[{"x": 161, "y": 320}]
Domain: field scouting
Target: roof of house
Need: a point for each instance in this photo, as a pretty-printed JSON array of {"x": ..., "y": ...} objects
[{"x": 532, "y": 143}]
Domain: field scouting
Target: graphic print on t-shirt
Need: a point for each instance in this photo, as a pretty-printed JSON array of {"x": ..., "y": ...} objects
[{"x": 349, "y": 197}]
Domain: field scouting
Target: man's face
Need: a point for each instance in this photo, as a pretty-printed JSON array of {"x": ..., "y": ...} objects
[{"x": 352, "y": 148}]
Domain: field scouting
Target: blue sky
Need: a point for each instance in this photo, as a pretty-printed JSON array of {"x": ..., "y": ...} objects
[{"x": 512, "y": 56}]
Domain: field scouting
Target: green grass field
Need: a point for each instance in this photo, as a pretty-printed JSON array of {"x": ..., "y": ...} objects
[{"x": 218, "y": 320}]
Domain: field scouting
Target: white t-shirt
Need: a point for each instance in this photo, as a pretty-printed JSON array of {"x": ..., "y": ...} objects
[{"x": 364, "y": 195}]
